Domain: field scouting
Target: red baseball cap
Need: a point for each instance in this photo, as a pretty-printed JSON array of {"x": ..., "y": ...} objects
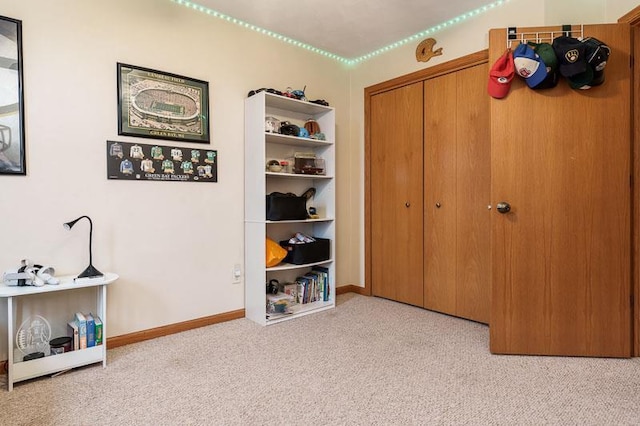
[{"x": 501, "y": 75}]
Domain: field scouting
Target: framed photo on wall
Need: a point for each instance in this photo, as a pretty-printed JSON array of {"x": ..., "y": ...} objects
[
  {"x": 12, "y": 151},
  {"x": 160, "y": 105},
  {"x": 138, "y": 161}
]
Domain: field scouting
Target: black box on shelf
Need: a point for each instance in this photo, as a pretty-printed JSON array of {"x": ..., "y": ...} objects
[{"x": 316, "y": 251}]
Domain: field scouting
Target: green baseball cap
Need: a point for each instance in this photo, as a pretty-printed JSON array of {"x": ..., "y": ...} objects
[{"x": 548, "y": 55}]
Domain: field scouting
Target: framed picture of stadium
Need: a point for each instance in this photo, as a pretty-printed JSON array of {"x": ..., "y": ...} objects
[
  {"x": 12, "y": 151},
  {"x": 160, "y": 105}
]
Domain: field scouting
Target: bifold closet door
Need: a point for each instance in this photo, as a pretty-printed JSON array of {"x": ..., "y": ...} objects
[
  {"x": 561, "y": 158},
  {"x": 457, "y": 194},
  {"x": 396, "y": 175}
]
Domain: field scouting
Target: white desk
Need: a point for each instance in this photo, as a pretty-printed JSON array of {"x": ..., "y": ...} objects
[{"x": 18, "y": 371}]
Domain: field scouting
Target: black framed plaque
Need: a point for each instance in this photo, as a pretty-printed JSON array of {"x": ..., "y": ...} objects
[{"x": 136, "y": 161}]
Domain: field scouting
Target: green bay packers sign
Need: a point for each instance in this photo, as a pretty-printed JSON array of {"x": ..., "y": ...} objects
[
  {"x": 136, "y": 161},
  {"x": 160, "y": 105}
]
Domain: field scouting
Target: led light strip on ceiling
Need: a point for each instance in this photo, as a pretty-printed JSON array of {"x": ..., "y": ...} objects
[{"x": 359, "y": 59}]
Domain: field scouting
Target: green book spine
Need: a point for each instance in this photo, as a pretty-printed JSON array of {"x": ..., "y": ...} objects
[{"x": 98, "y": 323}]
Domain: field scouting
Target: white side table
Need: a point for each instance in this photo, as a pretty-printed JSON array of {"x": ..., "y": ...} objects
[{"x": 18, "y": 371}]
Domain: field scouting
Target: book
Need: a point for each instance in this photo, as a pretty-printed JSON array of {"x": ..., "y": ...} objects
[
  {"x": 323, "y": 272},
  {"x": 72, "y": 330},
  {"x": 311, "y": 287},
  {"x": 98, "y": 323},
  {"x": 91, "y": 330},
  {"x": 81, "y": 321},
  {"x": 300, "y": 292}
]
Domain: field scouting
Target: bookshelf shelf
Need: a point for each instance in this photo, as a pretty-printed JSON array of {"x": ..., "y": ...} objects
[
  {"x": 289, "y": 266},
  {"x": 24, "y": 370},
  {"x": 300, "y": 310},
  {"x": 261, "y": 147}
]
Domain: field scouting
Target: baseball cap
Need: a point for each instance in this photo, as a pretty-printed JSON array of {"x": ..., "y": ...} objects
[
  {"x": 598, "y": 78},
  {"x": 501, "y": 75},
  {"x": 529, "y": 65},
  {"x": 571, "y": 55},
  {"x": 597, "y": 54},
  {"x": 548, "y": 55},
  {"x": 582, "y": 81}
]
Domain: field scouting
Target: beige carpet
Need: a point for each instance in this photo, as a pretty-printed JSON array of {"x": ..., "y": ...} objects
[{"x": 368, "y": 362}]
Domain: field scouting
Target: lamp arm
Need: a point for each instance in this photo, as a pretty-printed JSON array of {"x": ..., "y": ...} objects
[
  {"x": 90, "y": 240},
  {"x": 91, "y": 271}
]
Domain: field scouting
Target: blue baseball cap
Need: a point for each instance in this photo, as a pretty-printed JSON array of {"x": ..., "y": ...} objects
[{"x": 529, "y": 65}]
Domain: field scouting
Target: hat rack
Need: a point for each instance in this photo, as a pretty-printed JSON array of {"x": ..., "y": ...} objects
[{"x": 514, "y": 36}]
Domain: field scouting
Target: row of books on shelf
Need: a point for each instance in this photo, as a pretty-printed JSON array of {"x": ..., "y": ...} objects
[
  {"x": 85, "y": 331},
  {"x": 311, "y": 287}
]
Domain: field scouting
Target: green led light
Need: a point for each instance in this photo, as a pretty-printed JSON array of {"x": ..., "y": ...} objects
[{"x": 352, "y": 61}]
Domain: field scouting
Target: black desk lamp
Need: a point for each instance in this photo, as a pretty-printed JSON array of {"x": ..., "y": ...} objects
[{"x": 90, "y": 271}]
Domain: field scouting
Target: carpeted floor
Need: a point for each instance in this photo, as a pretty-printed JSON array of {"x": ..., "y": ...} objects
[{"x": 368, "y": 362}]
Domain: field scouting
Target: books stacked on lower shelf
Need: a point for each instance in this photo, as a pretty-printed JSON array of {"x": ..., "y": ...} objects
[
  {"x": 308, "y": 288},
  {"x": 85, "y": 331},
  {"x": 314, "y": 286}
]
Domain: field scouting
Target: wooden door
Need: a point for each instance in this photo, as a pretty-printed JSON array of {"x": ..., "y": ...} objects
[
  {"x": 440, "y": 114},
  {"x": 473, "y": 195},
  {"x": 396, "y": 195},
  {"x": 457, "y": 182},
  {"x": 561, "y": 256}
]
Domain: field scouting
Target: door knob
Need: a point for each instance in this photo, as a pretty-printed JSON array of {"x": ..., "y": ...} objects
[
  {"x": 407, "y": 204},
  {"x": 438, "y": 205},
  {"x": 503, "y": 207}
]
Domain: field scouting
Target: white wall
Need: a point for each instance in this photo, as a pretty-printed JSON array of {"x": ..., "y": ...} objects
[
  {"x": 574, "y": 12},
  {"x": 614, "y": 9},
  {"x": 173, "y": 244}
]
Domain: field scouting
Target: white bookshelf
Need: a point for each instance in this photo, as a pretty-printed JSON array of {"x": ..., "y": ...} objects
[
  {"x": 261, "y": 146},
  {"x": 19, "y": 370}
]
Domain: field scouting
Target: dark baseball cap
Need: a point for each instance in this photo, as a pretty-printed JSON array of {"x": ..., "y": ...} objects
[
  {"x": 596, "y": 56},
  {"x": 571, "y": 55},
  {"x": 597, "y": 53},
  {"x": 582, "y": 81}
]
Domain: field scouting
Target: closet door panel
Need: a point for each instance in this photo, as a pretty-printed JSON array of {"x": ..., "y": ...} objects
[
  {"x": 473, "y": 254},
  {"x": 396, "y": 195},
  {"x": 441, "y": 130}
]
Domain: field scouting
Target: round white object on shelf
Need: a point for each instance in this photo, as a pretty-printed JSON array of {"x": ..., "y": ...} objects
[{"x": 34, "y": 335}]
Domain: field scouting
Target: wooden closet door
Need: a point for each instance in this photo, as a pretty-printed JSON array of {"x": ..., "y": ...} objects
[
  {"x": 457, "y": 183},
  {"x": 561, "y": 256},
  {"x": 396, "y": 194},
  {"x": 473, "y": 195},
  {"x": 440, "y": 180}
]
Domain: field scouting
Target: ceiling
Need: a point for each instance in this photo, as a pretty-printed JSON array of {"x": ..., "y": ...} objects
[{"x": 346, "y": 28}]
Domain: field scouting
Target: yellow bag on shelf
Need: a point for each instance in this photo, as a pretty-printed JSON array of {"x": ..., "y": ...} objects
[{"x": 275, "y": 253}]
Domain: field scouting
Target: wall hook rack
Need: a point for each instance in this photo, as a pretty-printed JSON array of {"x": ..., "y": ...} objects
[{"x": 515, "y": 37}]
